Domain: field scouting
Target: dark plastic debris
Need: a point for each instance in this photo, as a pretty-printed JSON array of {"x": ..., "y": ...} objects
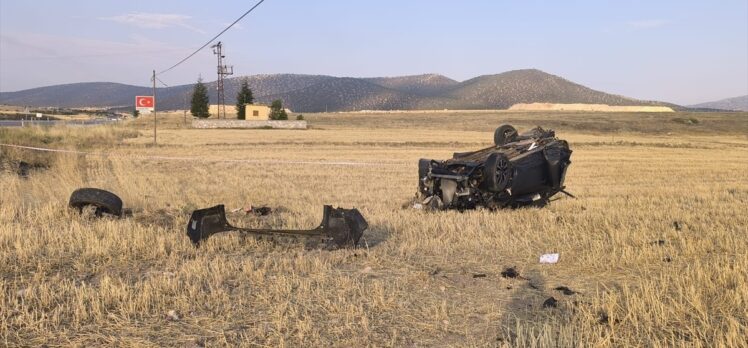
[
  {"x": 510, "y": 272},
  {"x": 260, "y": 211},
  {"x": 550, "y": 303},
  {"x": 565, "y": 290}
]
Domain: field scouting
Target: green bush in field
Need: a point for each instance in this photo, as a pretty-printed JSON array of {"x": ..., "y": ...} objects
[{"x": 277, "y": 112}]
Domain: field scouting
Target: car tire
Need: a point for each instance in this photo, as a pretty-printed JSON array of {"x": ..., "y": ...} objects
[
  {"x": 497, "y": 172},
  {"x": 504, "y": 134},
  {"x": 423, "y": 170},
  {"x": 104, "y": 201}
]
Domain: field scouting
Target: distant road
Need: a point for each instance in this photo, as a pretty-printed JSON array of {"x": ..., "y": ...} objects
[{"x": 45, "y": 123}]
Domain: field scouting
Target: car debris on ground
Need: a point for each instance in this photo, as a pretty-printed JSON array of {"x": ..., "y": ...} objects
[
  {"x": 339, "y": 227},
  {"x": 565, "y": 290},
  {"x": 519, "y": 170},
  {"x": 510, "y": 272},
  {"x": 550, "y": 302}
]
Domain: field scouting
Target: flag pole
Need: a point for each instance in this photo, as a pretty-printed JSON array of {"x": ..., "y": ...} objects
[{"x": 154, "y": 108}]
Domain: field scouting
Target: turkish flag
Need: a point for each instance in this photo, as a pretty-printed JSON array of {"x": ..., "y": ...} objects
[{"x": 142, "y": 101}]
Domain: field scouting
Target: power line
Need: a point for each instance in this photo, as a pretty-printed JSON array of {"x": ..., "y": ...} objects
[
  {"x": 214, "y": 38},
  {"x": 162, "y": 82}
]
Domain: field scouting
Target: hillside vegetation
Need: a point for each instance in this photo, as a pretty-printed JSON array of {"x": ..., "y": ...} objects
[{"x": 318, "y": 93}]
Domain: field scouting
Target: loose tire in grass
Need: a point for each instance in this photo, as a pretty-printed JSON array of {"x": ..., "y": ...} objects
[{"x": 104, "y": 201}]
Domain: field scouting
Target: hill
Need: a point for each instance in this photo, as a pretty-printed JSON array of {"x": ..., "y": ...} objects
[
  {"x": 423, "y": 85},
  {"x": 313, "y": 93},
  {"x": 733, "y": 104}
]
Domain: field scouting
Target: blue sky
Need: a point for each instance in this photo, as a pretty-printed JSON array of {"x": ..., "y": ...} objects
[{"x": 678, "y": 51}]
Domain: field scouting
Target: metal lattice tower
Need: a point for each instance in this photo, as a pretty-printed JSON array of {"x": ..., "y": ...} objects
[{"x": 223, "y": 70}]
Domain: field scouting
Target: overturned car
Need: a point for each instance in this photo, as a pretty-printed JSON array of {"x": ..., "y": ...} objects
[{"x": 519, "y": 170}]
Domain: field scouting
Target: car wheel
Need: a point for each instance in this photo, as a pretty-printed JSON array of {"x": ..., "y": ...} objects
[
  {"x": 504, "y": 134},
  {"x": 423, "y": 170},
  {"x": 104, "y": 201},
  {"x": 497, "y": 172}
]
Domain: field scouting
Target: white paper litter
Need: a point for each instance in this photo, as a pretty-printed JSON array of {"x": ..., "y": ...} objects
[{"x": 549, "y": 258}]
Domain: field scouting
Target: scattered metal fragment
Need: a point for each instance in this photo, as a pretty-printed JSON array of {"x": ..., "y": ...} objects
[
  {"x": 103, "y": 201},
  {"x": 519, "y": 170},
  {"x": 659, "y": 242},
  {"x": 479, "y": 275},
  {"x": 340, "y": 227},
  {"x": 677, "y": 225}
]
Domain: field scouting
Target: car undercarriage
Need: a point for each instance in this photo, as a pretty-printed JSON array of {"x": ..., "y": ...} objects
[{"x": 519, "y": 170}]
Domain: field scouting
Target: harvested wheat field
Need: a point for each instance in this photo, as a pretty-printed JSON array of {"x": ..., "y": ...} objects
[{"x": 652, "y": 250}]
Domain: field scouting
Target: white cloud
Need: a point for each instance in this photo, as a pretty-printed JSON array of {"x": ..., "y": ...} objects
[
  {"x": 154, "y": 20},
  {"x": 648, "y": 23}
]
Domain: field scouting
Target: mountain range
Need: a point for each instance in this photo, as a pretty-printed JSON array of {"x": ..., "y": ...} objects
[
  {"x": 733, "y": 104},
  {"x": 317, "y": 93}
]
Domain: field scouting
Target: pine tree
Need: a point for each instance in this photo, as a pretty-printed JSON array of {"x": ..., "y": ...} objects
[
  {"x": 242, "y": 98},
  {"x": 200, "y": 100}
]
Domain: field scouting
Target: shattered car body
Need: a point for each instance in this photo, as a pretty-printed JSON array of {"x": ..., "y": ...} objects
[{"x": 519, "y": 170}]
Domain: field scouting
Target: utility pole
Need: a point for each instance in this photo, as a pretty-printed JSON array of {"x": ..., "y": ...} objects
[
  {"x": 223, "y": 70},
  {"x": 185, "y": 108},
  {"x": 154, "y": 108}
]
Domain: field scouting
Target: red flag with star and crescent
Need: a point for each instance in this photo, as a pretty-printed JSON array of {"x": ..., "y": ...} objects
[{"x": 144, "y": 101}]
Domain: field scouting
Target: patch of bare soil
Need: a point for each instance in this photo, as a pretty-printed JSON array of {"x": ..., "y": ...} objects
[{"x": 587, "y": 107}]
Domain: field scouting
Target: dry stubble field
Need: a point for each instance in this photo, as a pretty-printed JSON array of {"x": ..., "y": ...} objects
[{"x": 654, "y": 246}]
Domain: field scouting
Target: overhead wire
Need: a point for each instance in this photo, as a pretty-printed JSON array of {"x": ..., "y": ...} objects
[
  {"x": 162, "y": 82},
  {"x": 213, "y": 39}
]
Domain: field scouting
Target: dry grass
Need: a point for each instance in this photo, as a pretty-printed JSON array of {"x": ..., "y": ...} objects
[{"x": 68, "y": 280}]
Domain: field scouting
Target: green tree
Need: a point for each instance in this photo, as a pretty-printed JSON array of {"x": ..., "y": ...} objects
[
  {"x": 277, "y": 112},
  {"x": 244, "y": 97},
  {"x": 200, "y": 100}
]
